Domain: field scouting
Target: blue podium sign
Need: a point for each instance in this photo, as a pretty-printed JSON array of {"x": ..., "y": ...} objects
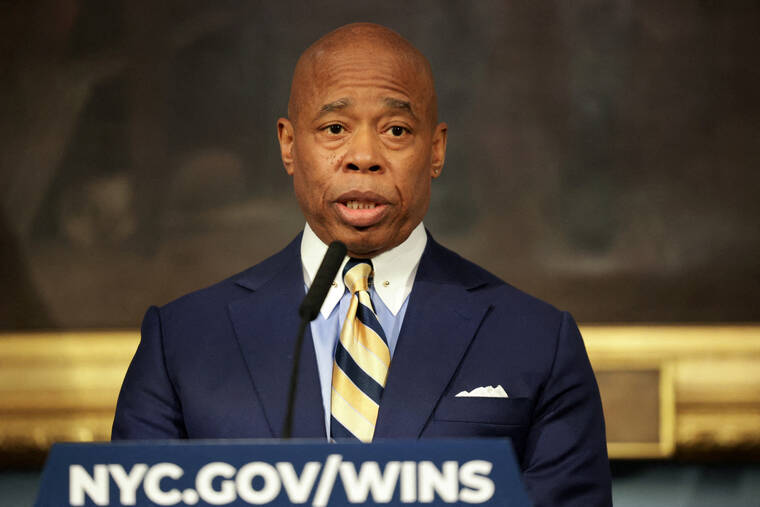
[{"x": 249, "y": 472}]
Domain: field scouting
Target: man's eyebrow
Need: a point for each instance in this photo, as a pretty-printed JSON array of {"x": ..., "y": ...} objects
[
  {"x": 335, "y": 105},
  {"x": 399, "y": 104}
]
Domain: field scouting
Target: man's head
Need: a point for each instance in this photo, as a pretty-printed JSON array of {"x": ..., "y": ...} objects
[{"x": 362, "y": 141}]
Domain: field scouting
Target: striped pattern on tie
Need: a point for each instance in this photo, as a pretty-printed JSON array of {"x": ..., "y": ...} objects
[{"x": 361, "y": 361}]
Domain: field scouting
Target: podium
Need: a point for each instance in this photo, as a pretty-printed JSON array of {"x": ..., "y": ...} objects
[{"x": 252, "y": 472}]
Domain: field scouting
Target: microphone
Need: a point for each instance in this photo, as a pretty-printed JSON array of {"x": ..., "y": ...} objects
[
  {"x": 322, "y": 280},
  {"x": 308, "y": 311}
]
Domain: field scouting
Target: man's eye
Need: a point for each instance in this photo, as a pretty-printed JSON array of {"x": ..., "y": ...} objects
[
  {"x": 397, "y": 131},
  {"x": 335, "y": 129}
]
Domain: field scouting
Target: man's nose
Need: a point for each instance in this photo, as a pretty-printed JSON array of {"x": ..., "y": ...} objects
[{"x": 363, "y": 152}]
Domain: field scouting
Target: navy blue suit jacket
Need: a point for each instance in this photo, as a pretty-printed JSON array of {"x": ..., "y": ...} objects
[{"x": 216, "y": 363}]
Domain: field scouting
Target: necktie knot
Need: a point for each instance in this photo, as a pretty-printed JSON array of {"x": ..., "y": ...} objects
[{"x": 356, "y": 274}]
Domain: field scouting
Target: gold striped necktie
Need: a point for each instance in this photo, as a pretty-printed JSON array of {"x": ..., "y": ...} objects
[{"x": 361, "y": 361}]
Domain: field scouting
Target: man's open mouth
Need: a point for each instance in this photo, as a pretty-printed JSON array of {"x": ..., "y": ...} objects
[
  {"x": 363, "y": 209},
  {"x": 359, "y": 205}
]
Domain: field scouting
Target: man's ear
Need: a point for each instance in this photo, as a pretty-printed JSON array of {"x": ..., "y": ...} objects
[
  {"x": 439, "y": 149},
  {"x": 286, "y": 136}
]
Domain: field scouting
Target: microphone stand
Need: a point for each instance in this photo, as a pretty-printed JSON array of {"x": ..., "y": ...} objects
[{"x": 288, "y": 426}]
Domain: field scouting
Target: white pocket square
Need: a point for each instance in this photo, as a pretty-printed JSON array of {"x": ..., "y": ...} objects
[{"x": 484, "y": 392}]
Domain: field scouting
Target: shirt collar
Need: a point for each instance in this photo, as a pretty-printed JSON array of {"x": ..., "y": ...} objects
[{"x": 394, "y": 270}]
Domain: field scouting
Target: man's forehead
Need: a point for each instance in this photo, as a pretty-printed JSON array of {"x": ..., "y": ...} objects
[
  {"x": 366, "y": 65},
  {"x": 391, "y": 103},
  {"x": 362, "y": 55}
]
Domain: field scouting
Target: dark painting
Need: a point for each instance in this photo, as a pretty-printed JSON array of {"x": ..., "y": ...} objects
[{"x": 603, "y": 155}]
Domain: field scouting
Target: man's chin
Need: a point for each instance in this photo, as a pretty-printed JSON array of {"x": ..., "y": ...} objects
[
  {"x": 365, "y": 249},
  {"x": 361, "y": 242},
  {"x": 365, "y": 242}
]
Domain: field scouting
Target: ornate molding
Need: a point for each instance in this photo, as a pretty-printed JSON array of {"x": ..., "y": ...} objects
[
  {"x": 715, "y": 375},
  {"x": 666, "y": 389}
]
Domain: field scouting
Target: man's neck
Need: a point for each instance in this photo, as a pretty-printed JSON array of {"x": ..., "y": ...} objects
[{"x": 394, "y": 269}]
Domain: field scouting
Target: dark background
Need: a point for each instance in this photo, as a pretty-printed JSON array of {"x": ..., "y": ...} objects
[{"x": 603, "y": 155}]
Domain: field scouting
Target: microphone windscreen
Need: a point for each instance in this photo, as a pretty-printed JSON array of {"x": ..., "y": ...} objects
[{"x": 322, "y": 280}]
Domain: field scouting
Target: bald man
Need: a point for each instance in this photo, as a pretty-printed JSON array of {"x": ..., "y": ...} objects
[{"x": 421, "y": 344}]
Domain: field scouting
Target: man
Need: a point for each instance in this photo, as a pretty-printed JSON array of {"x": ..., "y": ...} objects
[{"x": 362, "y": 143}]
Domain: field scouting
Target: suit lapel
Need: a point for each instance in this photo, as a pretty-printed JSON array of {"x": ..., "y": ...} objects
[
  {"x": 441, "y": 320},
  {"x": 266, "y": 323}
]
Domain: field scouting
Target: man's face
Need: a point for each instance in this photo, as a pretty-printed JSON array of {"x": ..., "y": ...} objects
[{"x": 362, "y": 148}]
